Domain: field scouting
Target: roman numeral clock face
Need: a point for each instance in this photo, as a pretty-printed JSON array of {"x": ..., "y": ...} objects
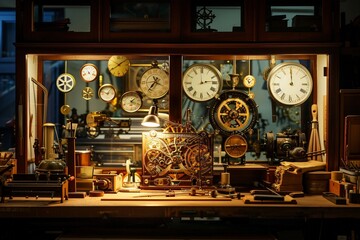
[
  {"x": 290, "y": 84},
  {"x": 202, "y": 82}
]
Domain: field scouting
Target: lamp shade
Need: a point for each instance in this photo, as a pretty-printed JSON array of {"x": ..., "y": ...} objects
[{"x": 152, "y": 119}]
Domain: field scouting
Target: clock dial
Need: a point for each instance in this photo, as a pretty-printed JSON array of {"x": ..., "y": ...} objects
[
  {"x": 89, "y": 72},
  {"x": 65, "y": 82},
  {"x": 87, "y": 93},
  {"x": 131, "y": 101},
  {"x": 118, "y": 65},
  {"x": 155, "y": 83},
  {"x": 290, "y": 84},
  {"x": 107, "y": 92},
  {"x": 202, "y": 82},
  {"x": 236, "y": 146},
  {"x": 249, "y": 81}
]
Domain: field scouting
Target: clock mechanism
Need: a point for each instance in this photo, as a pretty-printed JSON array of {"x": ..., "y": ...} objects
[
  {"x": 176, "y": 159},
  {"x": 233, "y": 111}
]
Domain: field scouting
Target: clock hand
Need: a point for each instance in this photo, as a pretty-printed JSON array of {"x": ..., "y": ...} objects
[
  {"x": 117, "y": 64},
  {"x": 291, "y": 82}
]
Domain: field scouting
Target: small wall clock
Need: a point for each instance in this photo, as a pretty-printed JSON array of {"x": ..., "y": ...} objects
[
  {"x": 118, "y": 65},
  {"x": 89, "y": 72},
  {"x": 155, "y": 82},
  {"x": 107, "y": 92}
]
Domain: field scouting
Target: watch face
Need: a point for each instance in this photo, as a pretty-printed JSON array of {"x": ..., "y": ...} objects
[
  {"x": 290, "y": 84},
  {"x": 118, "y": 65},
  {"x": 155, "y": 83},
  {"x": 249, "y": 81},
  {"x": 89, "y": 72},
  {"x": 131, "y": 101},
  {"x": 202, "y": 82},
  {"x": 65, "y": 82},
  {"x": 107, "y": 92}
]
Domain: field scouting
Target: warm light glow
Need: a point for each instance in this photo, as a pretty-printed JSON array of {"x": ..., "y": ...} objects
[{"x": 152, "y": 119}]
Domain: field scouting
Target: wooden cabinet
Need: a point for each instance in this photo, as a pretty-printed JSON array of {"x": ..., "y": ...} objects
[
  {"x": 177, "y": 21},
  {"x": 173, "y": 35}
]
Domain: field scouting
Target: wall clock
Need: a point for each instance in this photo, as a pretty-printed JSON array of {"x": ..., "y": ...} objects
[
  {"x": 155, "y": 82},
  {"x": 89, "y": 72},
  {"x": 202, "y": 82},
  {"x": 131, "y": 101},
  {"x": 290, "y": 84},
  {"x": 107, "y": 92},
  {"x": 118, "y": 65},
  {"x": 65, "y": 82}
]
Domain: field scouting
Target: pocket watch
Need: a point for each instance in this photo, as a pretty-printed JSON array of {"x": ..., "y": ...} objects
[
  {"x": 202, "y": 82},
  {"x": 290, "y": 84},
  {"x": 155, "y": 82},
  {"x": 89, "y": 72},
  {"x": 131, "y": 101},
  {"x": 118, "y": 65},
  {"x": 87, "y": 93},
  {"x": 107, "y": 92},
  {"x": 65, "y": 82}
]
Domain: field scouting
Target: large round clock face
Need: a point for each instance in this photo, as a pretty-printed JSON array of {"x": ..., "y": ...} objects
[
  {"x": 89, "y": 72},
  {"x": 154, "y": 83},
  {"x": 202, "y": 82},
  {"x": 290, "y": 84},
  {"x": 118, "y": 65}
]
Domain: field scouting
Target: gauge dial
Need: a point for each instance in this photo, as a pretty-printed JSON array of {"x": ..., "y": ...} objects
[
  {"x": 89, "y": 72},
  {"x": 107, "y": 92},
  {"x": 131, "y": 101}
]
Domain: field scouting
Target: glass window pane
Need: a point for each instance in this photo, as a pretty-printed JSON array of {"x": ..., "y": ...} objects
[
  {"x": 224, "y": 18},
  {"x": 130, "y": 16},
  {"x": 296, "y": 18},
  {"x": 62, "y": 18}
]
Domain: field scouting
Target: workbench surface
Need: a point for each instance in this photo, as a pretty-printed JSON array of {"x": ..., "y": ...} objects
[{"x": 151, "y": 204}]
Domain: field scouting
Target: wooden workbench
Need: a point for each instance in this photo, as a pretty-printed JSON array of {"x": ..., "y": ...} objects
[{"x": 128, "y": 209}]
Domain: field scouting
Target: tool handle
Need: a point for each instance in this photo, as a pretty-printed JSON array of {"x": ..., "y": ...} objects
[{"x": 314, "y": 112}]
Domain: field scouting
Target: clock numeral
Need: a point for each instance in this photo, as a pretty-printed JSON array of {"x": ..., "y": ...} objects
[
  {"x": 278, "y": 90},
  {"x": 190, "y": 89},
  {"x": 290, "y": 98},
  {"x": 213, "y": 89},
  {"x": 201, "y": 95},
  {"x": 282, "y": 96},
  {"x": 303, "y": 91},
  {"x": 194, "y": 93}
]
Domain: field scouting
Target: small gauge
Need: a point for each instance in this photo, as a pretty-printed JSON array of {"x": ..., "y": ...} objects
[
  {"x": 89, "y": 72},
  {"x": 107, "y": 92},
  {"x": 249, "y": 81},
  {"x": 131, "y": 101}
]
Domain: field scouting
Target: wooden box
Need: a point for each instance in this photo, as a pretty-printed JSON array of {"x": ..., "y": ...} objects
[{"x": 316, "y": 182}]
